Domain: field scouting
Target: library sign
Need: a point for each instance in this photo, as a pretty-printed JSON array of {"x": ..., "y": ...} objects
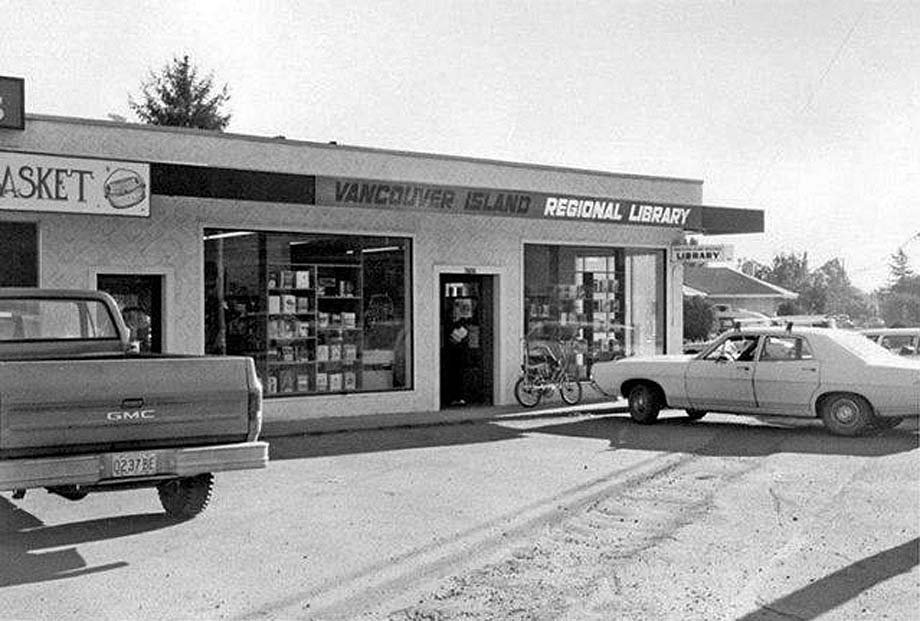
[
  {"x": 35, "y": 182},
  {"x": 343, "y": 192}
]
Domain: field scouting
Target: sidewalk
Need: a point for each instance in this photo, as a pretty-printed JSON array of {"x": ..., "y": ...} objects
[{"x": 594, "y": 404}]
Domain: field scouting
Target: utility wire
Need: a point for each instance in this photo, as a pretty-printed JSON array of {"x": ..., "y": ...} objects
[{"x": 820, "y": 82}]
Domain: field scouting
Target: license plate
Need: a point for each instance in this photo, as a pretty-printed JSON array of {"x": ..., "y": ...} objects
[{"x": 134, "y": 464}]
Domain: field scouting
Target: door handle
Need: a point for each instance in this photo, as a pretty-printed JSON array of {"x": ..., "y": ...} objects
[
  {"x": 745, "y": 368},
  {"x": 812, "y": 369}
]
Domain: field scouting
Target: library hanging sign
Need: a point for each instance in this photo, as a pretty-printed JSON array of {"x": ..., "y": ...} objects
[
  {"x": 693, "y": 254},
  {"x": 343, "y": 192},
  {"x": 35, "y": 182}
]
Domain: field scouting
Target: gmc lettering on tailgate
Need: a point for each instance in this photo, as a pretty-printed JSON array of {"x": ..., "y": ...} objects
[{"x": 134, "y": 415}]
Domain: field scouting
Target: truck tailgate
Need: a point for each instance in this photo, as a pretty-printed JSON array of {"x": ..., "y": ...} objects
[{"x": 121, "y": 402}]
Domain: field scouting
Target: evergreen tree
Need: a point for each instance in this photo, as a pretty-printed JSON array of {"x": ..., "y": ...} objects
[{"x": 178, "y": 97}]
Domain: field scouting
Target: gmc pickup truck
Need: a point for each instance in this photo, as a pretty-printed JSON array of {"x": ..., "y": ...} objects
[{"x": 81, "y": 413}]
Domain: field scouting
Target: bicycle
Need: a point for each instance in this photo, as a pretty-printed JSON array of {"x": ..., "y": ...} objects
[{"x": 543, "y": 372}]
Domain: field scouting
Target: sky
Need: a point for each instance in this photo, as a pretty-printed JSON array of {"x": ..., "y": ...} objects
[{"x": 809, "y": 111}]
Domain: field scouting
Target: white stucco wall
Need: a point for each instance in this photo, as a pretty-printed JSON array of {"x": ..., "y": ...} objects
[{"x": 74, "y": 248}]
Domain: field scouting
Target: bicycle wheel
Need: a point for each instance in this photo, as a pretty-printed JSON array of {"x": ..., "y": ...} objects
[
  {"x": 570, "y": 391},
  {"x": 526, "y": 393}
]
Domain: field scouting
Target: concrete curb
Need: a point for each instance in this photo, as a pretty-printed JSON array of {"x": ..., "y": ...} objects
[{"x": 331, "y": 424}]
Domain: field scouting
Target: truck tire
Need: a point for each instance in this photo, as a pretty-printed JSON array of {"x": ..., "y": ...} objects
[
  {"x": 644, "y": 403},
  {"x": 846, "y": 414},
  {"x": 185, "y": 498}
]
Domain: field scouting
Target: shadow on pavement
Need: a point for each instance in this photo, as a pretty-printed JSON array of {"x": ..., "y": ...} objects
[
  {"x": 28, "y": 547},
  {"x": 841, "y": 586},
  {"x": 741, "y": 439},
  {"x": 389, "y": 439}
]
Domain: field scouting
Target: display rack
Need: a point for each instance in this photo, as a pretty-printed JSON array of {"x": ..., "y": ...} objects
[{"x": 313, "y": 328}]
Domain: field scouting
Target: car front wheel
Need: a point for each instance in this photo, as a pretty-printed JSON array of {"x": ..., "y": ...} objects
[
  {"x": 847, "y": 415},
  {"x": 644, "y": 404}
]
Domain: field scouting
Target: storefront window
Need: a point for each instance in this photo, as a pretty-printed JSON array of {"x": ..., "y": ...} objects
[
  {"x": 18, "y": 254},
  {"x": 318, "y": 313},
  {"x": 608, "y": 301}
]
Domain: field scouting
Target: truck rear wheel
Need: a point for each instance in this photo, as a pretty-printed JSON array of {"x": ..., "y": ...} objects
[{"x": 186, "y": 497}]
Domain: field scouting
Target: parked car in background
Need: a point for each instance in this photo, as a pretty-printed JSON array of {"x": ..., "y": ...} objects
[
  {"x": 854, "y": 385},
  {"x": 902, "y": 341}
]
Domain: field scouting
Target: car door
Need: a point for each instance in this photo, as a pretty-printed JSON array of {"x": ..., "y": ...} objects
[
  {"x": 723, "y": 378},
  {"x": 786, "y": 376}
]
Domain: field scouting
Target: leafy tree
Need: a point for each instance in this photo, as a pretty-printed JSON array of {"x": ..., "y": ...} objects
[
  {"x": 899, "y": 302},
  {"x": 826, "y": 290},
  {"x": 178, "y": 97},
  {"x": 699, "y": 318}
]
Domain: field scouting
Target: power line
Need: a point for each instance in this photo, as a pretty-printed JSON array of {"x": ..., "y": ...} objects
[{"x": 820, "y": 82}]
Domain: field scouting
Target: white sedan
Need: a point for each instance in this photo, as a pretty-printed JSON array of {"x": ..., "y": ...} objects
[{"x": 854, "y": 385}]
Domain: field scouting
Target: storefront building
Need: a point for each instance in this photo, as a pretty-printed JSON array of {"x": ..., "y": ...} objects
[{"x": 370, "y": 286}]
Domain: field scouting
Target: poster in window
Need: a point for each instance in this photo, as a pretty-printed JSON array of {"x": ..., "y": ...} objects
[{"x": 463, "y": 308}]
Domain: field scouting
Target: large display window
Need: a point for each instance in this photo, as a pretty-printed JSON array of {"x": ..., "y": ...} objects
[
  {"x": 318, "y": 313},
  {"x": 606, "y": 303}
]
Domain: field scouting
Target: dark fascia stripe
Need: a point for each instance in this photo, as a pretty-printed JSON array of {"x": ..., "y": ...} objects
[
  {"x": 228, "y": 183},
  {"x": 728, "y": 220}
]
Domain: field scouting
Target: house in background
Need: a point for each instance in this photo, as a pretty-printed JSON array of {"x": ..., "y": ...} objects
[{"x": 731, "y": 291}]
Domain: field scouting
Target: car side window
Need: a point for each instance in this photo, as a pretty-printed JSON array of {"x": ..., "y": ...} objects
[
  {"x": 779, "y": 348},
  {"x": 735, "y": 348}
]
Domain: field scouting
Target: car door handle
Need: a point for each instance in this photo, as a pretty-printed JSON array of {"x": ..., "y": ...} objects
[
  {"x": 745, "y": 368},
  {"x": 812, "y": 369}
]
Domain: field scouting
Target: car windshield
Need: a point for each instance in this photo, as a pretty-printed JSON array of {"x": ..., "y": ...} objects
[{"x": 861, "y": 346}]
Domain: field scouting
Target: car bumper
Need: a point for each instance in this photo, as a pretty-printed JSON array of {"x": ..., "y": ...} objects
[{"x": 95, "y": 468}]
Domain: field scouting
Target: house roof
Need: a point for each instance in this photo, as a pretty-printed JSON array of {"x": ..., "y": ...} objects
[{"x": 729, "y": 282}]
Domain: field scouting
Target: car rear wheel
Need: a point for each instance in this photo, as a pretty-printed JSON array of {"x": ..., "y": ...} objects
[
  {"x": 696, "y": 414},
  {"x": 186, "y": 497},
  {"x": 847, "y": 415},
  {"x": 644, "y": 403}
]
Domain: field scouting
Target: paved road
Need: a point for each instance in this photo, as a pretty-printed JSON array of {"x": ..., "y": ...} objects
[{"x": 581, "y": 517}]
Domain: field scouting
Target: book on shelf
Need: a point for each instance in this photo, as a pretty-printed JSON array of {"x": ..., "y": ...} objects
[
  {"x": 273, "y": 329},
  {"x": 302, "y": 279},
  {"x": 287, "y": 279},
  {"x": 349, "y": 320},
  {"x": 335, "y": 351},
  {"x": 326, "y": 285},
  {"x": 322, "y": 382},
  {"x": 274, "y": 304},
  {"x": 303, "y": 328},
  {"x": 322, "y": 353},
  {"x": 272, "y": 385},
  {"x": 286, "y": 381},
  {"x": 350, "y": 380},
  {"x": 273, "y": 280},
  {"x": 349, "y": 352},
  {"x": 335, "y": 320},
  {"x": 287, "y": 353},
  {"x": 288, "y": 304},
  {"x": 303, "y": 382},
  {"x": 302, "y": 353},
  {"x": 303, "y": 304},
  {"x": 287, "y": 329},
  {"x": 323, "y": 319},
  {"x": 335, "y": 382}
]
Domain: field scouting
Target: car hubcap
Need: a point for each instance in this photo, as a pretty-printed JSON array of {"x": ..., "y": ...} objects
[
  {"x": 846, "y": 412},
  {"x": 640, "y": 401}
]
